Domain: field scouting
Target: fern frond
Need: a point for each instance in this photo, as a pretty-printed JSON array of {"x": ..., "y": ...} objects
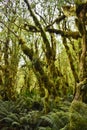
[
  {"x": 3, "y": 109},
  {"x": 45, "y": 128},
  {"x": 15, "y": 124},
  {"x": 13, "y": 117},
  {"x": 24, "y": 120},
  {"x": 7, "y": 120},
  {"x": 3, "y": 114},
  {"x": 47, "y": 119},
  {"x": 55, "y": 120}
]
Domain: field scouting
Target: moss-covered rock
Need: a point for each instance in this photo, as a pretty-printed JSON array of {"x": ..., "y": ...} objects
[{"x": 78, "y": 116}]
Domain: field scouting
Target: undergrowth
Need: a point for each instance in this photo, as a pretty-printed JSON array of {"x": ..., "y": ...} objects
[{"x": 27, "y": 114}]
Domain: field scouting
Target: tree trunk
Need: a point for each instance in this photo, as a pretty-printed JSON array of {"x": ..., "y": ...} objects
[{"x": 81, "y": 90}]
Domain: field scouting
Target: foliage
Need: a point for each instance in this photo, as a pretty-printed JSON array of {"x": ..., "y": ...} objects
[
  {"x": 43, "y": 61},
  {"x": 78, "y": 116},
  {"x": 42, "y": 46},
  {"x": 44, "y": 128},
  {"x": 26, "y": 113},
  {"x": 17, "y": 115},
  {"x": 55, "y": 120}
]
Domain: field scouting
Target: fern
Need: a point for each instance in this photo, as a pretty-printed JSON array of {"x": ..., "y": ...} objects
[
  {"x": 55, "y": 120},
  {"x": 14, "y": 117},
  {"x": 45, "y": 128},
  {"x": 6, "y": 120},
  {"x": 19, "y": 115},
  {"x": 15, "y": 124},
  {"x": 3, "y": 114}
]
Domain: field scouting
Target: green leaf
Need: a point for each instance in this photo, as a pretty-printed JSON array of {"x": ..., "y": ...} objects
[{"x": 15, "y": 124}]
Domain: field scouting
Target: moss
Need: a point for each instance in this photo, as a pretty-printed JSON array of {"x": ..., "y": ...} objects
[
  {"x": 78, "y": 116},
  {"x": 78, "y": 2}
]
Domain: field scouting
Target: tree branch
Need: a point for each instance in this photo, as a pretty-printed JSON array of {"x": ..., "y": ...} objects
[
  {"x": 33, "y": 15},
  {"x": 10, "y": 29},
  {"x": 37, "y": 23},
  {"x": 67, "y": 34},
  {"x": 57, "y": 20},
  {"x": 41, "y": 17},
  {"x": 31, "y": 28}
]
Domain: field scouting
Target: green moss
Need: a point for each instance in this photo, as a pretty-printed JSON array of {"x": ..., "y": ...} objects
[
  {"x": 78, "y": 2},
  {"x": 78, "y": 116}
]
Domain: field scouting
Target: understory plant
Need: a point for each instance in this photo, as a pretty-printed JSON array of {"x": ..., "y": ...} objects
[{"x": 27, "y": 114}]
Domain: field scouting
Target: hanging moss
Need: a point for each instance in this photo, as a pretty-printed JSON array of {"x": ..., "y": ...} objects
[{"x": 27, "y": 51}]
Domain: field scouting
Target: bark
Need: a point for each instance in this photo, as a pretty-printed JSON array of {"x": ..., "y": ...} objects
[
  {"x": 9, "y": 91},
  {"x": 81, "y": 91},
  {"x": 74, "y": 71},
  {"x": 68, "y": 34},
  {"x": 41, "y": 75},
  {"x": 57, "y": 21},
  {"x": 81, "y": 10},
  {"x": 50, "y": 51}
]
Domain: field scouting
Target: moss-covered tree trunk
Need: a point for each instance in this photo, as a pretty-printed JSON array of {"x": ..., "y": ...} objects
[
  {"x": 6, "y": 71},
  {"x": 81, "y": 90},
  {"x": 10, "y": 71}
]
